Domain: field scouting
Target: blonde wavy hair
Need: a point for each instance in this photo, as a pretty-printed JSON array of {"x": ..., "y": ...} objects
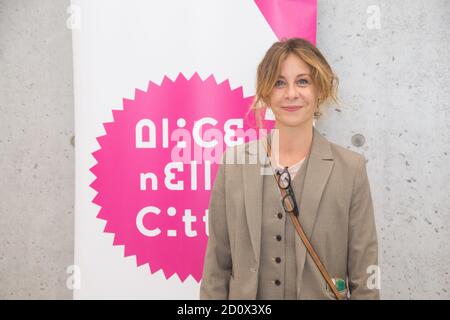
[{"x": 268, "y": 72}]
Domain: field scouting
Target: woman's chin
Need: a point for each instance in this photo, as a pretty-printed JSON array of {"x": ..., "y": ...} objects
[{"x": 291, "y": 122}]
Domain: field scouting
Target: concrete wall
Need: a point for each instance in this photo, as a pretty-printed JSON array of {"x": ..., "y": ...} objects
[
  {"x": 36, "y": 154},
  {"x": 395, "y": 110},
  {"x": 392, "y": 60}
]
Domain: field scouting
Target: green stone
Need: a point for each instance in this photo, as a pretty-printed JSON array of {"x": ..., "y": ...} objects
[{"x": 340, "y": 284}]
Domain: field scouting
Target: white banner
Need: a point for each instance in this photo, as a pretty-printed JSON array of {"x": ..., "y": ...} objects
[{"x": 150, "y": 78}]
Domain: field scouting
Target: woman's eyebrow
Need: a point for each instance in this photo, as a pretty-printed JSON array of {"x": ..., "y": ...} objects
[{"x": 301, "y": 74}]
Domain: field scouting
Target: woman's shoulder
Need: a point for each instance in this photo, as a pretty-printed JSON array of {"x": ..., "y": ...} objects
[
  {"x": 345, "y": 156},
  {"x": 239, "y": 154}
]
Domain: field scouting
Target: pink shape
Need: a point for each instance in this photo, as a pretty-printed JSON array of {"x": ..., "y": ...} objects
[
  {"x": 291, "y": 18},
  {"x": 120, "y": 165}
]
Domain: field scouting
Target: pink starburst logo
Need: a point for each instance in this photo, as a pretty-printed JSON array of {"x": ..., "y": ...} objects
[{"x": 156, "y": 166}]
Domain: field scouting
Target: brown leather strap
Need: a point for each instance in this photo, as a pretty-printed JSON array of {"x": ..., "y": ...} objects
[{"x": 304, "y": 238}]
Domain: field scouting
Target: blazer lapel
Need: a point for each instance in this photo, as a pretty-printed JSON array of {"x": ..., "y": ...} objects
[
  {"x": 253, "y": 190},
  {"x": 319, "y": 167}
]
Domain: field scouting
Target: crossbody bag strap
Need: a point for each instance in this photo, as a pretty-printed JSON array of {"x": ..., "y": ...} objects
[{"x": 304, "y": 238}]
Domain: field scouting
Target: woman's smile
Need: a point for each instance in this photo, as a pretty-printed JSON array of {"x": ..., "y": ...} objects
[{"x": 291, "y": 108}]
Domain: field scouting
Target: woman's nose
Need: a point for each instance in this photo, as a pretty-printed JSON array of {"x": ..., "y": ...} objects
[{"x": 292, "y": 92}]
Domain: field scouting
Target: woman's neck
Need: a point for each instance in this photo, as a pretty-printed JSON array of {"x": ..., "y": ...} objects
[{"x": 292, "y": 143}]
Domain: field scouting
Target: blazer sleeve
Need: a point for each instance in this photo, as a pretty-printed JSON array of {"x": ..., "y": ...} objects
[
  {"x": 362, "y": 240},
  {"x": 217, "y": 263}
]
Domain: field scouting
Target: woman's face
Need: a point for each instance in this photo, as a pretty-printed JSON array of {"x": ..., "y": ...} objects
[{"x": 294, "y": 88}]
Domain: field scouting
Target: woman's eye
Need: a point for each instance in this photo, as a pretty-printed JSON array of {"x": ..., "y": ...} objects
[{"x": 302, "y": 82}]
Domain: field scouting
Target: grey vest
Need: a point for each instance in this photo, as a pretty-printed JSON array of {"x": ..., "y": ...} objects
[{"x": 278, "y": 268}]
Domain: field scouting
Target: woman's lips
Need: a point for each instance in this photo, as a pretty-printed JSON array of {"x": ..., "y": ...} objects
[{"x": 291, "y": 109}]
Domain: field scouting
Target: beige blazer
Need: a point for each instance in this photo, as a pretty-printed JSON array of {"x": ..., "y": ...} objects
[{"x": 336, "y": 213}]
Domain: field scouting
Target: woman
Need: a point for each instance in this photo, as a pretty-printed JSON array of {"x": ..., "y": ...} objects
[{"x": 253, "y": 250}]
